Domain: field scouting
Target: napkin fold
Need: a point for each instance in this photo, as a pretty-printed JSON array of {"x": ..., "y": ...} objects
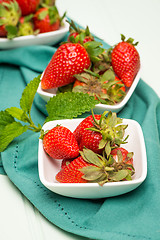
[{"x": 134, "y": 215}]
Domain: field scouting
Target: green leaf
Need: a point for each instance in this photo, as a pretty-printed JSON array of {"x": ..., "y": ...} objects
[
  {"x": 120, "y": 175},
  {"x": 108, "y": 76},
  {"x": 92, "y": 157},
  {"x": 10, "y": 132},
  {"x": 69, "y": 105},
  {"x": 28, "y": 94},
  {"x": 102, "y": 143},
  {"x": 5, "y": 119},
  {"x": 91, "y": 173},
  {"x": 42, "y": 14},
  {"x": 17, "y": 113},
  {"x": 11, "y": 31},
  {"x": 108, "y": 149}
]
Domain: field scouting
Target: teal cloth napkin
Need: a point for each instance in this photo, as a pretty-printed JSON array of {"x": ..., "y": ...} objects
[{"x": 134, "y": 215}]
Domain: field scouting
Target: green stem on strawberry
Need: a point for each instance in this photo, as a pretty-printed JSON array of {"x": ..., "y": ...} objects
[{"x": 105, "y": 169}]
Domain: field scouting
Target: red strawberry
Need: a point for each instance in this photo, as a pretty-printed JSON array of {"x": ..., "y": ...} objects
[
  {"x": 79, "y": 35},
  {"x": 68, "y": 60},
  {"x": 47, "y": 19},
  {"x": 81, "y": 128},
  {"x": 60, "y": 143},
  {"x": 125, "y": 61},
  {"x": 100, "y": 133},
  {"x": 91, "y": 140},
  {"x": 125, "y": 156},
  {"x": 28, "y": 6},
  {"x": 90, "y": 167},
  {"x": 87, "y": 138},
  {"x": 66, "y": 162},
  {"x": 71, "y": 173},
  {"x": 9, "y": 16}
]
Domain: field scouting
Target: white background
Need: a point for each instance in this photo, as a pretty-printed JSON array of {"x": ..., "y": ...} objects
[{"x": 139, "y": 19}]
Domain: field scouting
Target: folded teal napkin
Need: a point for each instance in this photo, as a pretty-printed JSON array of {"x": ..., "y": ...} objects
[{"x": 134, "y": 215}]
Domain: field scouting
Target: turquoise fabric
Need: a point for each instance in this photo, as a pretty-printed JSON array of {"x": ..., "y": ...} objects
[{"x": 134, "y": 215}]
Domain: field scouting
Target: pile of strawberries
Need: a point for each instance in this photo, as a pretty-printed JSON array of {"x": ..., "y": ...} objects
[
  {"x": 82, "y": 65},
  {"x": 93, "y": 152},
  {"x": 28, "y": 17}
]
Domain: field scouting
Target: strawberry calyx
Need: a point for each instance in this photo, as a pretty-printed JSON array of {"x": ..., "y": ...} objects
[
  {"x": 104, "y": 62},
  {"x": 129, "y": 40},
  {"x": 49, "y": 2},
  {"x": 86, "y": 39},
  {"x": 112, "y": 131},
  {"x": 105, "y": 169},
  {"x": 9, "y": 13},
  {"x": 104, "y": 88},
  {"x": 78, "y": 35},
  {"x": 26, "y": 26},
  {"x": 9, "y": 17}
]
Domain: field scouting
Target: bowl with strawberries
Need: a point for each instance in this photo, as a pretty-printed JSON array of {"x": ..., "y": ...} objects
[
  {"x": 82, "y": 65},
  {"x": 25, "y": 23},
  {"x": 94, "y": 157}
]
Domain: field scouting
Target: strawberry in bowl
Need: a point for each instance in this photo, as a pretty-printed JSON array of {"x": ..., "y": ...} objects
[
  {"x": 30, "y": 22},
  {"x": 121, "y": 168},
  {"x": 100, "y": 78}
]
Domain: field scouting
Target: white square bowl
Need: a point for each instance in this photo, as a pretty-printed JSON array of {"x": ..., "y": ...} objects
[
  {"x": 99, "y": 108},
  {"x": 49, "y": 167},
  {"x": 49, "y": 38}
]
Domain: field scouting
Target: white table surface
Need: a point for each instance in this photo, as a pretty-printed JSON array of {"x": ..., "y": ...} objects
[{"x": 139, "y": 19}]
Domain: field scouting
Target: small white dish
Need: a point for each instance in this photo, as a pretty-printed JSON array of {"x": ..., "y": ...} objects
[
  {"x": 99, "y": 108},
  {"x": 48, "y": 167},
  {"x": 49, "y": 38}
]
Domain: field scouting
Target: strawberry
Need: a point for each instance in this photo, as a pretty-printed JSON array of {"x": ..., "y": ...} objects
[
  {"x": 47, "y": 19},
  {"x": 68, "y": 60},
  {"x": 90, "y": 167},
  {"x": 125, "y": 155},
  {"x": 71, "y": 173},
  {"x": 59, "y": 143},
  {"x": 86, "y": 123},
  {"x": 106, "y": 88},
  {"x": 125, "y": 60},
  {"x": 100, "y": 133},
  {"x": 25, "y": 26},
  {"x": 9, "y": 16},
  {"x": 66, "y": 162},
  {"x": 91, "y": 140},
  {"x": 28, "y": 6},
  {"x": 78, "y": 35}
]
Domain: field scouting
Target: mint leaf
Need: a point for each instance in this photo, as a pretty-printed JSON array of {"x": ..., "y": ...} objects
[
  {"x": 10, "y": 132},
  {"x": 28, "y": 95},
  {"x": 9, "y": 128},
  {"x": 17, "y": 113},
  {"x": 5, "y": 118},
  {"x": 69, "y": 105}
]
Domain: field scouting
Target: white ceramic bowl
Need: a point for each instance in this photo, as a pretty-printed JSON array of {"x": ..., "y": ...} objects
[
  {"x": 49, "y": 38},
  {"x": 49, "y": 167},
  {"x": 99, "y": 108}
]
